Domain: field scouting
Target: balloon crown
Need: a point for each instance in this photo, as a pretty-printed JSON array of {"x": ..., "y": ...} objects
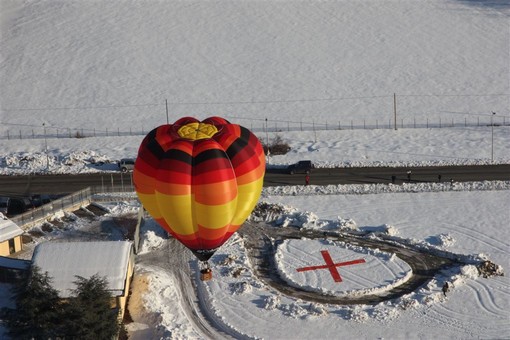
[{"x": 197, "y": 130}]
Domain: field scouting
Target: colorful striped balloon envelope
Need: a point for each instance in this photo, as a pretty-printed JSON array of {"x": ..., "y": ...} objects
[{"x": 200, "y": 180}]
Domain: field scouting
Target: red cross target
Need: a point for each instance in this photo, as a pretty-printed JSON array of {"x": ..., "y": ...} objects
[{"x": 331, "y": 266}]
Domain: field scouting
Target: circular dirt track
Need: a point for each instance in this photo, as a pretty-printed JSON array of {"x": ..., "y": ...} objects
[{"x": 261, "y": 241}]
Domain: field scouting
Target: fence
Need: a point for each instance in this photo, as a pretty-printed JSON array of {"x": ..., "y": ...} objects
[
  {"x": 274, "y": 125},
  {"x": 68, "y": 202},
  {"x": 139, "y": 224}
]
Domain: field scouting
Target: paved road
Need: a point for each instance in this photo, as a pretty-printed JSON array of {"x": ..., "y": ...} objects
[
  {"x": 62, "y": 183},
  {"x": 384, "y": 175}
]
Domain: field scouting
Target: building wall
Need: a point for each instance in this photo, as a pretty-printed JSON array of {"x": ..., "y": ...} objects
[
  {"x": 18, "y": 244},
  {"x": 120, "y": 301},
  {"x": 5, "y": 249}
]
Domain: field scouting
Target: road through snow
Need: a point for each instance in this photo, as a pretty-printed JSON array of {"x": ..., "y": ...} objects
[{"x": 178, "y": 264}]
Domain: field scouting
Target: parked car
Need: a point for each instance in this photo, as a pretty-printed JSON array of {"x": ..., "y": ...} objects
[
  {"x": 4, "y": 205},
  {"x": 18, "y": 205},
  {"x": 38, "y": 200},
  {"x": 126, "y": 164},
  {"x": 301, "y": 167}
]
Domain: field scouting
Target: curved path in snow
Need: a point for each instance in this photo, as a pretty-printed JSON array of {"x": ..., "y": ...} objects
[
  {"x": 258, "y": 241},
  {"x": 176, "y": 263}
]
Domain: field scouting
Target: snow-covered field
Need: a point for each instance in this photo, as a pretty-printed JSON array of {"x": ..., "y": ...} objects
[
  {"x": 471, "y": 224},
  {"x": 108, "y": 67}
]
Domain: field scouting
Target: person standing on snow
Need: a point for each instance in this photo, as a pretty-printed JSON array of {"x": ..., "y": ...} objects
[
  {"x": 446, "y": 288},
  {"x": 307, "y": 179}
]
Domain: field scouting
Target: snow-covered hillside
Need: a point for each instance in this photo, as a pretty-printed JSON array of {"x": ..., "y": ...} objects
[
  {"x": 110, "y": 67},
  {"x": 98, "y": 65}
]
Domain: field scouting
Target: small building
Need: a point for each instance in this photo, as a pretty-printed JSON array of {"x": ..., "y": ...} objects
[
  {"x": 10, "y": 237},
  {"x": 63, "y": 261}
]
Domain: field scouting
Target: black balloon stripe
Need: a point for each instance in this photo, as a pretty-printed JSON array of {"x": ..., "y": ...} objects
[{"x": 208, "y": 155}]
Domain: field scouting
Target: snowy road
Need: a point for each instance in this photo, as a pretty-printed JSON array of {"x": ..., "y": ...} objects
[
  {"x": 177, "y": 265},
  {"x": 65, "y": 183}
]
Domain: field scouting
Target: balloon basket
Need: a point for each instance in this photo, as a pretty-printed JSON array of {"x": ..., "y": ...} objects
[
  {"x": 205, "y": 274},
  {"x": 205, "y": 271}
]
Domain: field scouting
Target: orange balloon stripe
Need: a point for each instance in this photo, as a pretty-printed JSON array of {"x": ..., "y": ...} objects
[
  {"x": 222, "y": 192},
  {"x": 173, "y": 188},
  {"x": 251, "y": 176},
  {"x": 143, "y": 183},
  {"x": 215, "y": 193}
]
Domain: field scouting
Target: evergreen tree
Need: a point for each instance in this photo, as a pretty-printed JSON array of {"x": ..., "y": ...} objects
[
  {"x": 41, "y": 314},
  {"x": 37, "y": 308},
  {"x": 90, "y": 310}
]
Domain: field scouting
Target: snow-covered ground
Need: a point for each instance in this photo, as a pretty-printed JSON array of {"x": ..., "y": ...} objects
[
  {"x": 107, "y": 67},
  {"x": 405, "y": 147},
  {"x": 470, "y": 224}
]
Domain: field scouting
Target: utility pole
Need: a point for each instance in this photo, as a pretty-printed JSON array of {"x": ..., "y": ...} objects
[
  {"x": 267, "y": 144},
  {"x": 166, "y": 106},
  {"x": 46, "y": 148},
  {"x": 395, "y": 110},
  {"x": 492, "y": 138}
]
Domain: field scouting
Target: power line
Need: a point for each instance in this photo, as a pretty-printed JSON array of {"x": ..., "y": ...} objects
[
  {"x": 473, "y": 114},
  {"x": 195, "y": 103},
  {"x": 276, "y": 101},
  {"x": 78, "y": 107},
  {"x": 455, "y": 95}
]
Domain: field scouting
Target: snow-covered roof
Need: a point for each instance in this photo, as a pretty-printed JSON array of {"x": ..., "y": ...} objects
[
  {"x": 65, "y": 260},
  {"x": 8, "y": 229}
]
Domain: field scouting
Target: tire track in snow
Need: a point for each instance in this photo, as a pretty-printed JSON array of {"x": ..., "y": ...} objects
[
  {"x": 477, "y": 315},
  {"x": 260, "y": 244},
  {"x": 468, "y": 232},
  {"x": 174, "y": 259}
]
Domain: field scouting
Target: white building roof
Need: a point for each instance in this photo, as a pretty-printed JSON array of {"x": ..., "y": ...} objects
[
  {"x": 8, "y": 229},
  {"x": 65, "y": 260}
]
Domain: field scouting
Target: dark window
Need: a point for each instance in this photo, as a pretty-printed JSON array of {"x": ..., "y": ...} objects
[{"x": 12, "y": 248}]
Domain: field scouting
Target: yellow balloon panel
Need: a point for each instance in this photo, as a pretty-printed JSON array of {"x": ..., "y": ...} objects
[
  {"x": 248, "y": 196},
  {"x": 184, "y": 214}
]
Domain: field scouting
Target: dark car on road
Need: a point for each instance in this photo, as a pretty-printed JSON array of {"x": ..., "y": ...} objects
[{"x": 301, "y": 167}]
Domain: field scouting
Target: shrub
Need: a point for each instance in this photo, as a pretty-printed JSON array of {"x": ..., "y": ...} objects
[{"x": 277, "y": 146}]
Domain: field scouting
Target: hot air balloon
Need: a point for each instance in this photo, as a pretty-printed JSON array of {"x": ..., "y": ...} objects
[{"x": 200, "y": 180}]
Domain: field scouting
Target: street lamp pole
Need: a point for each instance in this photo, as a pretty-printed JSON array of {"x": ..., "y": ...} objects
[
  {"x": 492, "y": 138},
  {"x": 267, "y": 143},
  {"x": 46, "y": 148}
]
